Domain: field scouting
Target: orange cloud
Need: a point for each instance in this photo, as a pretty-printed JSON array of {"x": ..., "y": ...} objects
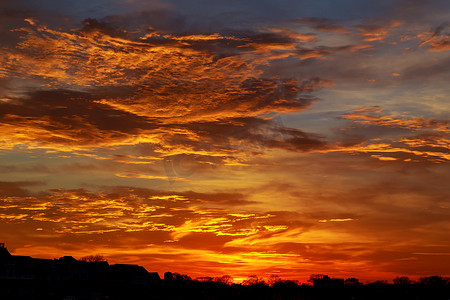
[
  {"x": 372, "y": 33},
  {"x": 435, "y": 41},
  {"x": 160, "y": 89},
  {"x": 421, "y": 139},
  {"x": 218, "y": 233},
  {"x": 370, "y": 116}
]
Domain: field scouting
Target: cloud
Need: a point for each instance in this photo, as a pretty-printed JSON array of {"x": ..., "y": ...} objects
[
  {"x": 321, "y": 24},
  {"x": 182, "y": 93},
  {"x": 372, "y": 32},
  {"x": 437, "y": 40},
  {"x": 166, "y": 229},
  {"x": 138, "y": 209},
  {"x": 396, "y": 137},
  {"x": 324, "y": 51},
  {"x": 128, "y": 209},
  {"x": 16, "y": 189},
  {"x": 374, "y": 116}
]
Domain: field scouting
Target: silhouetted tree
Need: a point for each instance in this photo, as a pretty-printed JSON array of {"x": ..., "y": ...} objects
[
  {"x": 273, "y": 279},
  {"x": 225, "y": 280},
  {"x": 316, "y": 276},
  {"x": 434, "y": 281},
  {"x": 352, "y": 282},
  {"x": 402, "y": 281},
  {"x": 254, "y": 280},
  {"x": 168, "y": 276},
  {"x": 286, "y": 284},
  {"x": 181, "y": 277},
  {"x": 378, "y": 284},
  {"x": 93, "y": 258},
  {"x": 205, "y": 279}
]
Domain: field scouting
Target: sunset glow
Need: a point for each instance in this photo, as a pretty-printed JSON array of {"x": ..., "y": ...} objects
[{"x": 216, "y": 138}]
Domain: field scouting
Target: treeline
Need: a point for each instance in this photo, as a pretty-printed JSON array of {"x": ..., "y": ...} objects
[
  {"x": 181, "y": 286},
  {"x": 275, "y": 280}
]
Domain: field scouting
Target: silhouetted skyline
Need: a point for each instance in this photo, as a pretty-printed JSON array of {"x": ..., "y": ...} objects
[{"x": 24, "y": 277}]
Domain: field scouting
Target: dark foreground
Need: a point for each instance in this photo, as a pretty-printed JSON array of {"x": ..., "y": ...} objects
[
  {"x": 190, "y": 289},
  {"x": 24, "y": 277}
]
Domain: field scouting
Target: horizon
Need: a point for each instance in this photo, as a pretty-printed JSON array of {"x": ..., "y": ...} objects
[
  {"x": 229, "y": 137},
  {"x": 234, "y": 280}
]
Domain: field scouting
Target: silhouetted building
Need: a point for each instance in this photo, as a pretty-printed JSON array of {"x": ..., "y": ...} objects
[
  {"x": 22, "y": 276},
  {"x": 131, "y": 274}
]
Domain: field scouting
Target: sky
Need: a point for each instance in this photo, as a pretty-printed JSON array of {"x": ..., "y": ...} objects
[{"x": 230, "y": 137}]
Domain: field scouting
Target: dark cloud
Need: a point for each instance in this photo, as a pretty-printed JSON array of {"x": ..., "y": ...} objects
[
  {"x": 323, "y": 51},
  {"x": 321, "y": 24},
  {"x": 243, "y": 134},
  {"x": 67, "y": 117},
  {"x": 94, "y": 26},
  {"x": 17, "y": 189}
]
